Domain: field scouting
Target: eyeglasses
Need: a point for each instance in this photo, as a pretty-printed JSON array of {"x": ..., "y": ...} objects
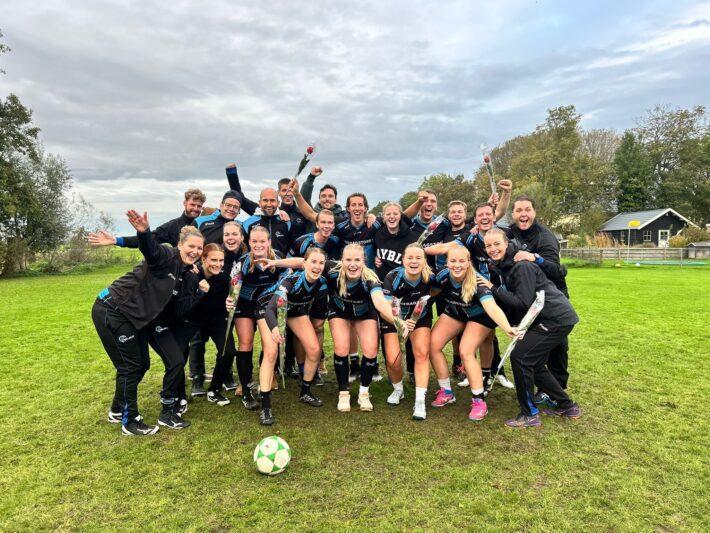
[{"x": 233, "y": 207}]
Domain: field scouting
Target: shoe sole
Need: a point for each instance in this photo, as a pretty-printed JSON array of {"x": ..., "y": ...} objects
[
  {"x": 220, "y": 404},
  {"x": 176, "y": 428},
  {"x": 269, "y": 423},
  {"x": 419, "y": 418},
  {"x": 114, "y": 421},
  {"x": 196, "y": 394},
  {"x": 345, "y": 410},
  {"x": 129, "y": 434},
  {"x": 452, "y": 401},
  {"x": 396, "y": 403},
  {"x": 365, "y": 409},
  {"x": 228, "y": 389}
]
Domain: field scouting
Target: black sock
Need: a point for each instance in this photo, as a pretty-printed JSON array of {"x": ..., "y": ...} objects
[
  {"x": 244, "y": 368},
  {"x": 486, "y": 375},
  {"x": 479, "y": 395},
  {"x": 410, "y": 356},
  {"x": 368, "y": 370},
  {"x": 266, "y": 400},
  {"x": 354, "y": 364},
  {"x": 306, "y": 387},
  {"x": 342, "y": 372}
]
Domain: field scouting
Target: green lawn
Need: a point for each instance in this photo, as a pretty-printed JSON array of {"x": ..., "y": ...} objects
[{"x": 638, "y": 459}]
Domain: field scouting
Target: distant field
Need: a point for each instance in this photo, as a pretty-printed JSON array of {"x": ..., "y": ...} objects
[{"x": 637, "y": 460}]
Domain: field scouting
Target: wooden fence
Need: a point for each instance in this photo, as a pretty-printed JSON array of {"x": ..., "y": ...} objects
[{"x": 596, "y": 255}]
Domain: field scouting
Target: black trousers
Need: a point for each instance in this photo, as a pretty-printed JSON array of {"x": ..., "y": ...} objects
[
  {"x": 557, "y": 362},
  {"x": 127, "y": 347},
  {"x": 197, "y": 356},
  {"x": 217, "y": 331},
  {"x": 169, "y": 342},
  {"x": 529, "y": 361}
]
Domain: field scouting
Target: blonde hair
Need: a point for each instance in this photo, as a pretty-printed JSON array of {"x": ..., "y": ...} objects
[
  {"x": 392, "y": 204},
  {"x": 269, "y": 252},
  {"x": 468, "y": 286},
  {"x": 367, "y": 273},
  {"x": 189, "y": 231},
  {"x": 427, "y": 272}
]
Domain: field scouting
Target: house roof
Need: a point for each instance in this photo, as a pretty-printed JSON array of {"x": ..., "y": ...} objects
[
  {"x": 621, "y": 221},
  {"x": 702, "y": 244}
]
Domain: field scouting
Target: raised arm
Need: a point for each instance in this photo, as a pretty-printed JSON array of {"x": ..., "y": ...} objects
[
  {"x": 303, "y": 206},
  {"x": 153, "y": 252},
  {"x": 502, "y": 207},
  {"x": 413, "y": 209},
  {"x": 247, "y": 205},
  {"x": 441, "y": 248},
  {"x": 307, "y": 187}
]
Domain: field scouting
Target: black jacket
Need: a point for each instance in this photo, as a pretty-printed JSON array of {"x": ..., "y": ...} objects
[
  {"x": 521, "y": 281},
  {"x": 209, "y": 307},
  {"x": 278, "y": 229},
  {"x": 389, "y": 247},
  {"x": 167, "y": 233},
  {"x": 160, "y": 280},
  {"x": 539, "y": 240}
]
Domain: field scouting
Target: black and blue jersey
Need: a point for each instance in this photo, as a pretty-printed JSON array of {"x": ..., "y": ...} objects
[
  {"x": 300, "y": 295},
  {"x": 349, "y": 233},
  {"x": 257, "y": 282},
  {"x": 278, "y": 230},
  {"x": 211, "y": 227},
  {"x": 397, "y": 285},
  {"x": 437, "y": 237},
  {"x": 451, "y": 295},
  {"x": 357, "y": 301},
  {"x": 331, "y": 247}
]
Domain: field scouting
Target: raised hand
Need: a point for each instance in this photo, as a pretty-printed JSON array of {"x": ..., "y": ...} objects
[
  {"x": 204, "y": 286},
  {"x": 265, "y": 262},
  {"x": 506, "y": 185},
  {"x": 138, "y": 221},
  {"x": 101, "y": 238},
  {"x": 316, "y": 171}
]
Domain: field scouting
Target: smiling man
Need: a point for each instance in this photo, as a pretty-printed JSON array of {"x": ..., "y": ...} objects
[{"x": 270, "y": 219}]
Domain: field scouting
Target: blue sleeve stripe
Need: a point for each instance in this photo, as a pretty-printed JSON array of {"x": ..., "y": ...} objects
[
  {"x": 485, "y": 297},
  {"x": 375, "y": 289},
  {"x": 206, "y": 218}
]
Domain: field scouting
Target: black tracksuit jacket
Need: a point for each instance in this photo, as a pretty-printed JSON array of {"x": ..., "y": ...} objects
[{"x": 540, "y": 240}]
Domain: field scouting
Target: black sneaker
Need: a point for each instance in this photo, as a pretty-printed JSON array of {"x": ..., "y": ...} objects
[
  {"x": 541, "y": 399},
  {"x": 310, "y": 399},
  {"x": 138, "y": 427},
  {"x": 458, "y": 372},
  {"x": 293, "y": 373},
  {"x": 115, "y": 418},
  {"x": 229, "y": 383},
  {"x": 249, "y": 401},
  {"x": 182, "y": 407},
  {"x": 318, "y": 380},
  {"x": 217, "y": 397},
  {"x": 198, "y": 388},
  {"x": 266, "y": 418},
  {"x": 170, "y": 419},
  {"x": 410, "y": 377}
]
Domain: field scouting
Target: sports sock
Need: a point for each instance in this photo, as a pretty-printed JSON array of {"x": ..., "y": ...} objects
[
  {"x": 306, "y": 387},
  {"x": 342, "y": 372},
  {"x": 368, "y": 367},
  {"x": 477, "y": 393},
  {"x": 419, "y": 394},
  {"x": 300, "y": 369},
  {"x": 244, "y": 368},
  {"x": 363, "y": 389},
  {"x": 486, "y": 374},
  {"x": 445, "y": 384},
  {"x": 354, "y": 362},
  {"x": 266, "y": 400},
  {"x": 398, "y": 386}
]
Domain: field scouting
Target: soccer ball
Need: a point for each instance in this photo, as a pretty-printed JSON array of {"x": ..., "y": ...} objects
[{"x": 272, "y": 455}]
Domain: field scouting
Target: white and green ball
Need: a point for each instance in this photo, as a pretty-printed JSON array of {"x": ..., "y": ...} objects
[{"x": 272, "y": 455}]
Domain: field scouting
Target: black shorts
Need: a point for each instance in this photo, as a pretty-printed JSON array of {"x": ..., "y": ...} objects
[
  {"x": 482, "y": 318},
  {"x": 319, "y": 309},
  {"x": 335, "y": 312},
  {"x": 423, "y": 322}
]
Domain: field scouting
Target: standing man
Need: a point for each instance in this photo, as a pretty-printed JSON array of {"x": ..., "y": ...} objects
[
  {"x": 540, "y": 246},
  {"x": 270, "y": 219}
]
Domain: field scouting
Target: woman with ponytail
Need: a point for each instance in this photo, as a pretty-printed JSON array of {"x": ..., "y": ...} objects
[{"x": 469, "y": 309}]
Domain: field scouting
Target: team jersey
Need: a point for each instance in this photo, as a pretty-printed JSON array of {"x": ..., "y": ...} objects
[
  {"x": 397, "y": 285},
  {"x": 356, "y": 301},
  {"x": 257, "y": 282},
  {"x": 437, "y": 237},
  {"x": 211, "y": 227},
  {"x": 475, "y": 246},
  {"x": 348, "y": 233},
  {"x": 278, "y": 230},
  {"x": 452, "y": 235},
  {"x": 331, "y": 247},
  {"x": 451, "y": 295},
  {"x": 389, "y": 247},
  {"x": 300, "y": 295}
]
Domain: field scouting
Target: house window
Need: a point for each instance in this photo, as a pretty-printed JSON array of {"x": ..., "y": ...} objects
[
  {"x": 647, "y": 235},
  {"x": 622, "y": 237}
]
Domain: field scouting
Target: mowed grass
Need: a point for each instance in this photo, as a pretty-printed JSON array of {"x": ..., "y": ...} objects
[{"x": 638, "y": 459}]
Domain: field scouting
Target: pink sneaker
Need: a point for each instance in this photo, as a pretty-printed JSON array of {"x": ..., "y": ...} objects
[
  {"x": 443, "y": 398},
  {"x": 479, "y": 409}
]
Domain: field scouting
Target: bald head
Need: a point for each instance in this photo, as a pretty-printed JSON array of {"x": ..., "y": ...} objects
[{"x": 268, "y": 201}]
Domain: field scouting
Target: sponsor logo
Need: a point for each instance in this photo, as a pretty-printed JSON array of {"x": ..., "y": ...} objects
[
  {"x": 123, "y": 338},
  {"x": 160, "y": 329},
  {"x": 171, "y": 276}
]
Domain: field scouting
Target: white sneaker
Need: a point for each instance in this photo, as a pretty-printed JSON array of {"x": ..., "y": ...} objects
[
  {"x": 344, "y": 401},
  {"x": 363, "y": 400},
  {"x": 396, "y": 397},
  {"x": 377, "y": 377},
  {"x": 463, "y": 383},
  {"x": 504, "y": 381},
  {"x": 419, "y": 411}
]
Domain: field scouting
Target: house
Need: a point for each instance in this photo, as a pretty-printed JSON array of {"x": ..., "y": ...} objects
[
  {"x": 655, "y": 226},
  {"x": 699, "y": 250}
]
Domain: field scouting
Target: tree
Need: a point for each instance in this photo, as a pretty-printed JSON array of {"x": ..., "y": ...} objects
[{"x": 634, "y": 175}]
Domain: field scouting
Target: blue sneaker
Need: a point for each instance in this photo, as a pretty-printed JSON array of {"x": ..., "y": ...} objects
[{"x": 541, "y": 399}]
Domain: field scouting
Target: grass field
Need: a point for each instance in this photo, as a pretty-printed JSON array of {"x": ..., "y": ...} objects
[{"x": 637, "y": 460}]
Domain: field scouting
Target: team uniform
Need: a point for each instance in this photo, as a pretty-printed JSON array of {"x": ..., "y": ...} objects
[
  {"x": 396, "y": 285},
  {"x": 349, "y": 233},
  {"x": 211, "y": 227},
  {"x": 356, "y": 304},
  {"x": 455, "y": 307},
  {"x": 332, "y": 247},
  {"x": 300, "y": 294},
  {"x": 255, "y": 285},
  {"x": 437, "y": 237},
  {"x": 278, "y": 230}
]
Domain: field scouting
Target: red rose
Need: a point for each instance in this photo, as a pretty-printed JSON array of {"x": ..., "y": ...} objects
[
  {"x": 486, "y": 159},
  {"x": 309, "y": 150}
]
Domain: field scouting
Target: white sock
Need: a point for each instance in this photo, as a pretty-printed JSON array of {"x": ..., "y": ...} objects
[
  {"x": 477, "y": 391},
  {"x": 363, "y": 389},
  {"x": 445, "y": 383},
  {"x": 420, "y": 394},
  {"x": 399, "y": 387}
]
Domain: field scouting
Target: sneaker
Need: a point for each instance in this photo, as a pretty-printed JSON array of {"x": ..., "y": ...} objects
[
  {"x": 318, "y": 380},
  {"x": 572, "y": 411},
  {"x": 138, "y": 427},
  {"x": 443, "y": 398},
  {"x": 170, "y": 419},
  {"x": 479, "y": 410},
  {"x": 541, "y": 399},
  {"x": 344, "y": 401},
  {"x": 311, "y": 400},
  {"x": 503, "y": 381},
  {"x": 115, "y": 418},
  {"x": 458, "y": 372},
  {"x": 419, "y": 411},
  {"x": 396, "y": 397},
  {"x": 293, "y": 373},
  {"x": 410, "y": 377},
  {"x": 217, "y": 397},
  {"x": 463, "y": 383},
  {"x": 182, "y": 407},
  {"x": 353, "y": 376},
  {"x": 249, "y": 402},
  {"x": 321, "y": 368},
  {"x": 376, "y": 378},
  {"x": 486, "y": 384},
  {"x": 363, "y": 400},
  {"x": 266, "y": 417},
  {"x": 198, "y": 388},
  {"x": 229, "y": 383},
  {"x": 524, "y": 421}
]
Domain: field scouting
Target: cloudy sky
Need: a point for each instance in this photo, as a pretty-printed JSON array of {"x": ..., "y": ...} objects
[{"x": 145, "y": 99}]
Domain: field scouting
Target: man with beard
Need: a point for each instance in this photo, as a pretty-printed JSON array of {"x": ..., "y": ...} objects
[
  {"x": 167, "y": 233},
  {"x": 540, "y": 246},
  {"x": 270, "y": 219},
  {"x": 327, "y": 198}
]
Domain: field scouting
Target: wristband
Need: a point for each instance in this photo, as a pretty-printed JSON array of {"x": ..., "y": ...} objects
[
  {"x": 539, "y": 259},
  {"x": 119, "y": 241}
]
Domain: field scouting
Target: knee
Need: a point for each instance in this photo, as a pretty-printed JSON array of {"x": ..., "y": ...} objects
[{"x": 421, "y": 356}]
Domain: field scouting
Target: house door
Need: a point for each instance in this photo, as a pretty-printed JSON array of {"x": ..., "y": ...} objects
[{"x": 663, "y": 236}]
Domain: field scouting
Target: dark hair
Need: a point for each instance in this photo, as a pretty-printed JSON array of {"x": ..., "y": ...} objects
[
  {"x": 328, "y": 186},
  {"x": 283, "y": 181},
  {"x": 313, "y": 250},
  {"x": 524, "y": 198},
  {"x": 236, "y": 195},
  {"x": 357, "y": 195},
  {"x": 481, "y": 206}
]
